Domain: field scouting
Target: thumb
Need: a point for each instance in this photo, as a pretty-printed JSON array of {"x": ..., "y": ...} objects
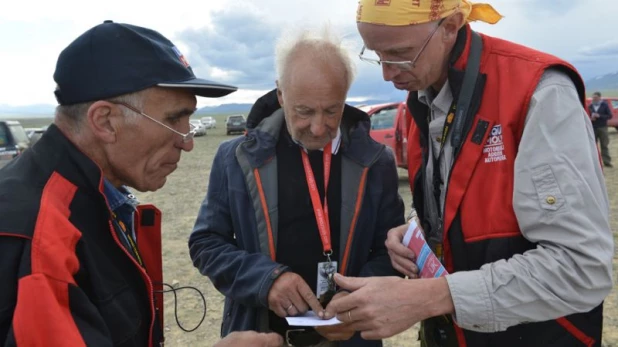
[{"x": 350, "y": 283}]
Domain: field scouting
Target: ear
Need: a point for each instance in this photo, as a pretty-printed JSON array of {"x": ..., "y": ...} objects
[
  {"x": 279, "y": 93},
  {"x": 102, "y": 119},
  {"x": 452, "y": 25}
]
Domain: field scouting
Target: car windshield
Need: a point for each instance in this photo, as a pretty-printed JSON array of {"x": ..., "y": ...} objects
[
  {"x": 19, "y": 133},
  {"x": 384, "y": 119},
  {"x": 236, "y": 119}
]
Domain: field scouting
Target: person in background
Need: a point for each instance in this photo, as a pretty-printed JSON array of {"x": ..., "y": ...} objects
[
  {"x": 304, "y": 194},
  {"x": 80, "y": 259},
  {"x": 506, "y": 181},
  {"x": 600, "y": 113}
]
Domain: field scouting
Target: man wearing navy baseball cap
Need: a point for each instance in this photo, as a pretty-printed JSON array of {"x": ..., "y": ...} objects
[{"x": 80, "y": 259}]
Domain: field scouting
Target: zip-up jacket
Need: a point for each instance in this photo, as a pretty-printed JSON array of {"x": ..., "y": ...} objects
[
  {"x": 66, "y": 278},
  {"x": 235, "y": 236}
]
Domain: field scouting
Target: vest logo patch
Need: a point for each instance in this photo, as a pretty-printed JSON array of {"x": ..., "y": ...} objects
[{"x": 494, "y": 147}]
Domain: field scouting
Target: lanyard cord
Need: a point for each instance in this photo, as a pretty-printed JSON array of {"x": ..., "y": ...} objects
[{"x": 320, "y": 210}]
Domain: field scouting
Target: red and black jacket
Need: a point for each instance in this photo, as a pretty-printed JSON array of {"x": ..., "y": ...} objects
[
  {"x": 479, "y": 221},
  {"x": 66, "y": 278}
]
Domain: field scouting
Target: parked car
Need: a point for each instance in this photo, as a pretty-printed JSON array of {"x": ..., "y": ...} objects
[
  {"x": 209, "y": 122},
  {"x": 235, "y": 124},
  {"x": 13, "y": 141},
  {"x": 34, "y": 134},
  {"x": 389, "y": 127},
  {"x": 200, "y": 129},
  {"x": 613, "y": 105}
]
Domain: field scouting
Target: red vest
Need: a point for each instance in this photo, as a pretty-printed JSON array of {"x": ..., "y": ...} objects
[{"x": 479, "y": 221}]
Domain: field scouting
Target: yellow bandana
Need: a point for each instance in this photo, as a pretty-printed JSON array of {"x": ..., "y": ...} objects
[{"x": 408, "y": 12}]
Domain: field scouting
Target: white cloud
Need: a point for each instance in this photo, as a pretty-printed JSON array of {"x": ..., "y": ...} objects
[
  {"x": 34, "y": 32},
  {"x": 242, "y": 96}
]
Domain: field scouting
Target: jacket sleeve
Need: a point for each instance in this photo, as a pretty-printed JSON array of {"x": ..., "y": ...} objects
[
  {"x": 38, "y": 310},
  {"x": 570, "y": 270},
  {"x": 242, "y": 276},
  {"x": 390, "y": 214},
  {"x": 607, "y": 112}
]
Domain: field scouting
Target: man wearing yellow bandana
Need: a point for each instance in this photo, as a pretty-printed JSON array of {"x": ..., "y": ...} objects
[{"x": 506, "y": 182}]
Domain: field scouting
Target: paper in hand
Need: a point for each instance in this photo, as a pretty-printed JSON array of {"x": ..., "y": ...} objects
[
  {"x": 310, "y": 319},
  {"x": 427, "y": 262}
]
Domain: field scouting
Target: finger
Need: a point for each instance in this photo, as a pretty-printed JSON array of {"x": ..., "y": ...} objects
[
  {"x": 405, "y": 266},
  {"x": 291, "y": 310},
  {"x": 273, "y": 340},
  {"x": 350, "y": 283},
  {"x": 299, "y": 303},
  {"x": 402, "y": 270},
  {"x": 337, "y": 296},
  {"x": 310, "y": 298},
  {"x": 399, "y": 249},
  {"x": 336, "y": 332},
  {"x": 341, "y": 306},
  {"x": 280, "y": 310},
  {"x": 362, "y": 325},
  {"x": 395, "y": 235}
]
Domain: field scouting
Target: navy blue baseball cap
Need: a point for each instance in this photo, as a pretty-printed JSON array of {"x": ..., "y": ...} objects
[{"x": 113, "y": 59}]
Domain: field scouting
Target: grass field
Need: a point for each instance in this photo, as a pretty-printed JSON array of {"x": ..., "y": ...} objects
[{"x": 179, "y": 201}]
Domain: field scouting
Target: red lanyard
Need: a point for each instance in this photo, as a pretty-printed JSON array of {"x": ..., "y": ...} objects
[{"x": 321, "y": 212}]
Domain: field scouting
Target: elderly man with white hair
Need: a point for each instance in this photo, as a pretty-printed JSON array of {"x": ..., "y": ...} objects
[{"x": 305, "y": 194}]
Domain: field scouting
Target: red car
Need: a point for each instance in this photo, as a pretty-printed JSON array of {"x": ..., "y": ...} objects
[{"x": 388, "y": 126}]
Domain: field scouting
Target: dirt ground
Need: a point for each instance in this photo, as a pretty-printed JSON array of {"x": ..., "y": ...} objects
[{"x": 179, "y": 202}]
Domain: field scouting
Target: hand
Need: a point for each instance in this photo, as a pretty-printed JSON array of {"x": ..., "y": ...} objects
[
  {"x": 402, "y": 258},
  {"x": 290, "y": 296},
  {"x": 380, "y": 307},
  {"x": 339, "y": 332},
  {"x": 250, "y": 338},
  {"x": 595, "y": 116}
]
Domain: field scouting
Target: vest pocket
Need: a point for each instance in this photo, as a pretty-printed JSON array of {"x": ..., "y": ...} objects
[
  {"x": 547, "y": 188},
  {"x": 121, "y": 313}
]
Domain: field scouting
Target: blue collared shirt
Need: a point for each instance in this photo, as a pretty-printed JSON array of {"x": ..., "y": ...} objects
[{"x": 123, "y": 203}]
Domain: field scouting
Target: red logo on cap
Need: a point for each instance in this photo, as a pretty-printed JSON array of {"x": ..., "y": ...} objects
[
  {"x": 416, "y": 3},
  {"x": 181, "y": 57},
  {"x": 383, "y": 2}
]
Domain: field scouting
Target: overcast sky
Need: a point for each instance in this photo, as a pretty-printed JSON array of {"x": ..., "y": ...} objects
[{"x": 233, "y": 41}]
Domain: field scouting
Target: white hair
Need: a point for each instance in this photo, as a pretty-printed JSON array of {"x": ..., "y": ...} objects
[
  {"x": 76, "y": 113},
  {"x": 322, "y": 45}
]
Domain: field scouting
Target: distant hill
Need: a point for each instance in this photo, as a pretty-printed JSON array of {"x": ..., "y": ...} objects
[
  {"x": 224, "y": 109},
  {"x": 607, "y": 82},
  {"x": 245, "y": 108},
  {"x": 28, "y": 111}
]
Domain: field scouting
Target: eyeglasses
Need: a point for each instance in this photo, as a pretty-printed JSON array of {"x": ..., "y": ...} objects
[
  {"x": 405, "y": 65},
  {"x": 188, "y": 137}
]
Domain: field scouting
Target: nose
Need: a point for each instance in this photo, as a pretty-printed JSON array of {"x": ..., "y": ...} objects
[
  {"x": 318, "y": 126},
  {"x": 389, "y": 72},
  {"x": 185, "y": 146}
]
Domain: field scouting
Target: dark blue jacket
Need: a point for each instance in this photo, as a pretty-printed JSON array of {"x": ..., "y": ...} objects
[
  {"x": 605, "y": 114},
  {"x": 236, "y": 230}
]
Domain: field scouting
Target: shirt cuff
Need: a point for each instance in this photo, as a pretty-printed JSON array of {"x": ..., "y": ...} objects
[{"x": 473, "y": 308}]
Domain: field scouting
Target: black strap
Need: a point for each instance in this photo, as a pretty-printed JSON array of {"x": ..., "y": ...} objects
[
  {"x": 465, "y": 95},
  {"x": 458, "y": 113}
]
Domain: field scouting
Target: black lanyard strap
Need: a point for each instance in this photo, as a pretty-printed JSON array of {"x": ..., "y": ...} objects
[{"x": 457, "y": 115}]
